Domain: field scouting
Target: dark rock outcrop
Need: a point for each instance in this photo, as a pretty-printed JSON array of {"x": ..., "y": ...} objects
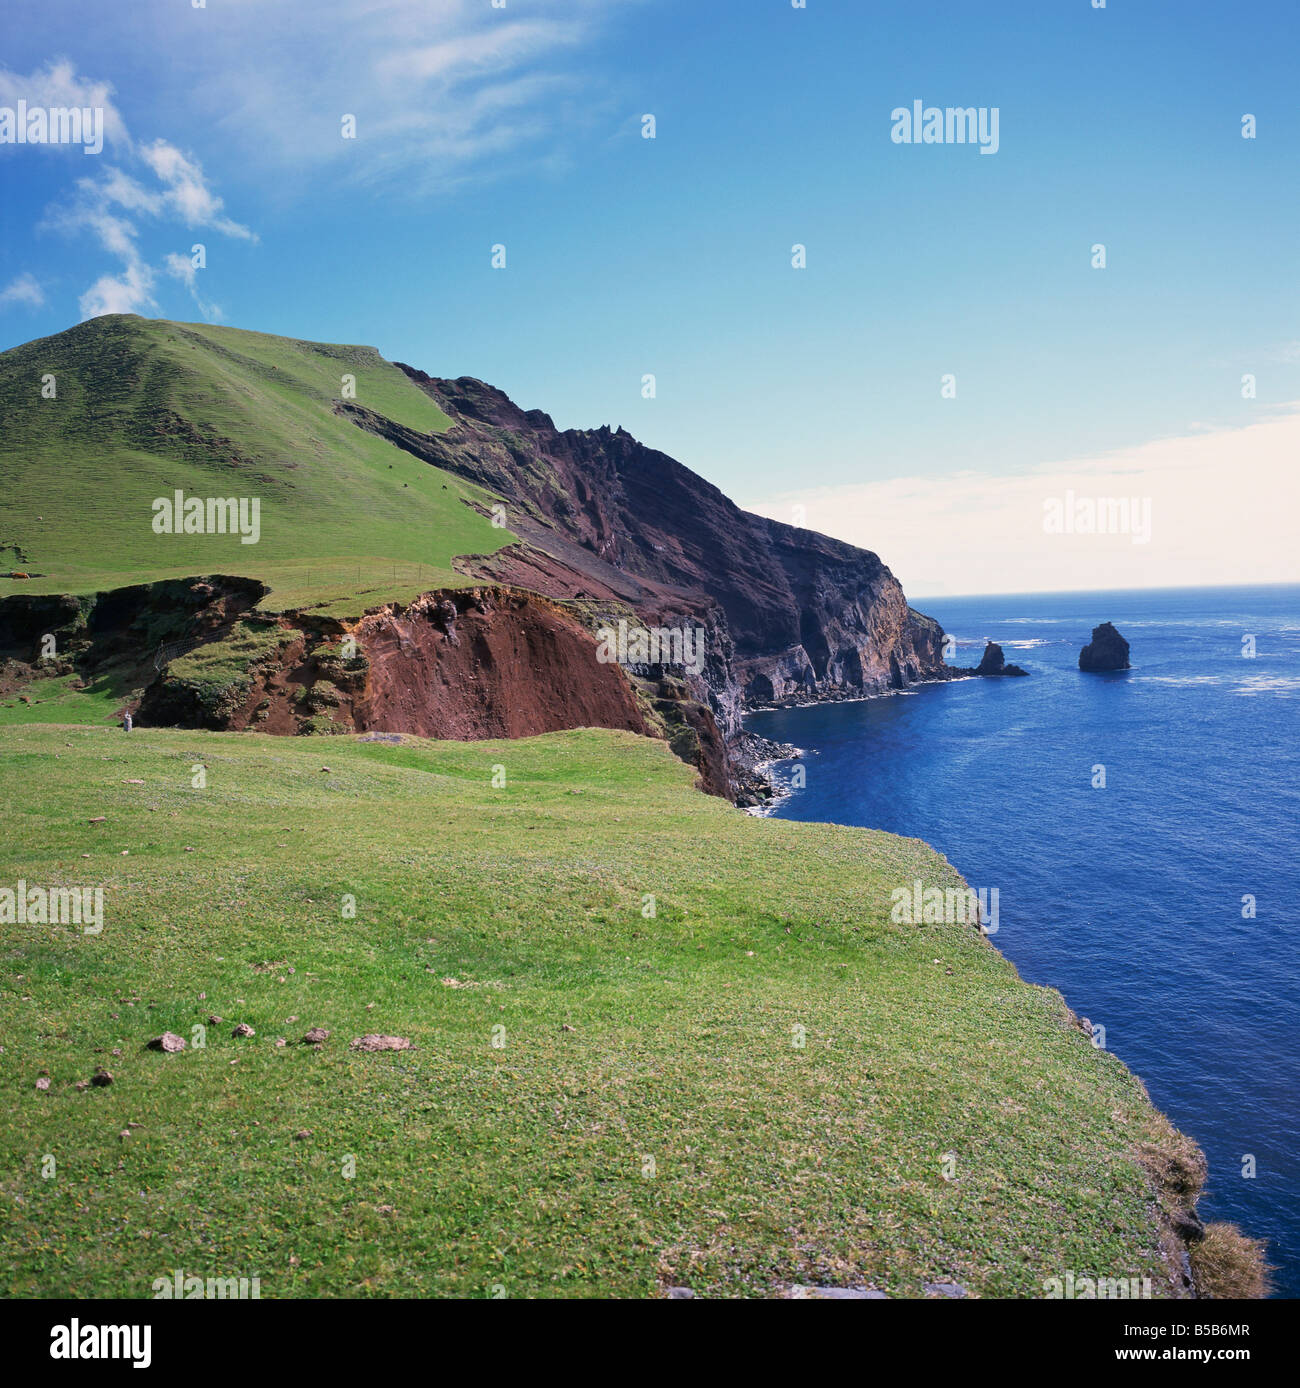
[
  {"x": 1107, "y": 650},
  {"x": 993, "y": 664},
  {"x": 120, "y": 633}
]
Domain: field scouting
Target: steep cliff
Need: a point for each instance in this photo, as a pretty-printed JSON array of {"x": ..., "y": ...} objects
[{"x": 786, "y": 612}]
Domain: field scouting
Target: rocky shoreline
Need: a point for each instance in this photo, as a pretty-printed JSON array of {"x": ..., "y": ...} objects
[{"x": 751, "y": 757}]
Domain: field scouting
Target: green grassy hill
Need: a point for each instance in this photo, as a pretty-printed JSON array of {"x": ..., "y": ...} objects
[
  {"x": 599, "y": 1102},
  {"x": 143, "y": 407}
]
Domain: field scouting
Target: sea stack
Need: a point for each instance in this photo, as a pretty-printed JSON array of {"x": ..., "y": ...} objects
[
  {"x": 1106, "y": 651},
  {"x": 993, "y": 663}
]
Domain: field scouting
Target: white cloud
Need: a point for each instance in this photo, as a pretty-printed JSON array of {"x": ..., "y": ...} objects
[
  {"x": 186, "y": 193},
  {"x": 23, "y": 290},
  {"x": 182, "y": 267},
  {"x": 57, "y": 84},
  {"x": 110, "y": 202},
  {"x": 442, "y": 90},
  {"x": 1222, "y": 506},
  {"x": 129, "y": 292},
  {"x": 493, "y": 48}
]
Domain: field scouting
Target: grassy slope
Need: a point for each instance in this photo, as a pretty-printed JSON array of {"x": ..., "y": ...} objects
[
  {"x": 522, "y": 1166},
  {"x": 62, "y": 699},
  {"x": 342, "y": 511}
]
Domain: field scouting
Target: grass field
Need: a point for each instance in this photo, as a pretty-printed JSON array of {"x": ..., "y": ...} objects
[
  {"x": 63, "y": 699},
  {"x": 643, "y": 1117},
  {"x": 144, "y": 407}
]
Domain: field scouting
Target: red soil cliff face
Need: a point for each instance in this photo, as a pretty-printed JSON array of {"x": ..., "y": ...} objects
[
  {"x": 455, "y": 664},
  {"x": 506, "y": 665}
]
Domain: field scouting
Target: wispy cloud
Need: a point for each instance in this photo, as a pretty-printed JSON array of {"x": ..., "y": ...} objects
[
  {"x": 23, "y": 290},
  {"x": 111, "y": 203},
  {"x": 182, "y": 267},
  {"x": 441, "y": 90},
  {"x": 160, "y": 184},
  {"x": 59, "y": 85}
]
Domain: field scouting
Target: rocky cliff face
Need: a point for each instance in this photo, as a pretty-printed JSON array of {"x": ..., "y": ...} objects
[
  {"x": 603, "y": 519},
  {"x": 462, "y": 665}
]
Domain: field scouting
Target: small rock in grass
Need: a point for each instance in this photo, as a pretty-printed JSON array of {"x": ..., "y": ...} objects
[
  {"x": 213, "y": 1020},
  {"x": 302, "y": 1135},
  {"x": 98, "y": 819},
  {"x": 315, "y": 1037},
  {"x": 680, "y": 1294},
  {"x": 168, "y": 1042},
  {"x": 42, "y": 1083},
  {"x": 101, "y": 1078},
  {"x": 243, "y": 1029},
  {"x": 944, "y": 1289},
  {"x": 81, "y": 1084},
  {"x": 836, "y": 1294},
  {"x": 280, "y": 1041},
  {"x": 375, "y": 1042}
]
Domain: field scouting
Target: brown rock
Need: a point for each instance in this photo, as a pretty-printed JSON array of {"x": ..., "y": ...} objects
[
  {"x": 168, "y": 1042},
  {"x": 315, "y": 1037},
  {"x": 375, "y": 1042},
  {"x": 243, "y": 1029},
  {"x": 101, "y": 1078}
]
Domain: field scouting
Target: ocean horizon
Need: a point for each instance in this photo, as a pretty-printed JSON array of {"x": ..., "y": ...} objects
[{"x": 1139, "y": 829}]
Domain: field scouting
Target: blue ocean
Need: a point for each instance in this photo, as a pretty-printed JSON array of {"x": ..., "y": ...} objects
[{"x": 1129, "y": 898}]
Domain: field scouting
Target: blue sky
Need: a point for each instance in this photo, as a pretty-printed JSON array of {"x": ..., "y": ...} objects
[{"x": 521, "y": 125}]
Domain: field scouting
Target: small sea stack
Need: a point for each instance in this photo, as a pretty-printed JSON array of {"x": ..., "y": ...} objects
[
  {"x": 1107, "y": 650},
  {"x": 993, "y": 664}
]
